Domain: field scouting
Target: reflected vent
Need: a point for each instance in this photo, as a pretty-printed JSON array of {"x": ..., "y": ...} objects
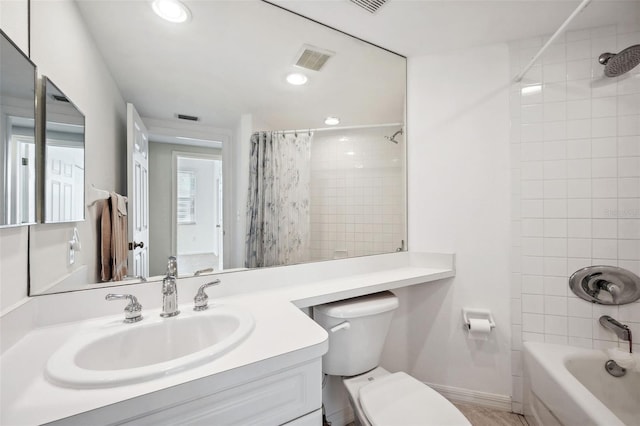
[
  {"x": 187, "y": 117},
  {"x": 313, "y": 58},
  {"x": 369, "y": 5},
  {"x": 60, "y": 98}
]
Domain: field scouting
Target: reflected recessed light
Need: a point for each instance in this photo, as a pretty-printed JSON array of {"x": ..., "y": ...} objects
[
  {"x": 297, "y": 79},
  {"x": 350, "y": 153},
  {"x": 344, "y": 139},
  {"x": 530, "y": 90},
  {"x": 171, "y": 10},
  {"x": 331, "y": 121}
]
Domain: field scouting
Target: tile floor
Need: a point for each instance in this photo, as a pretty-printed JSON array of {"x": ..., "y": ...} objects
[{"x": 482, "y": 416}]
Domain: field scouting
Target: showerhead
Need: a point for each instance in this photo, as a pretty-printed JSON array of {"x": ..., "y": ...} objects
[
  {"x": 393, "y": 138},
  {"x": 618, "y": 64}
]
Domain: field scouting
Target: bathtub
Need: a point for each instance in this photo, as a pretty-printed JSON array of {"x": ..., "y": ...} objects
[{"x": 569, "y": 386}]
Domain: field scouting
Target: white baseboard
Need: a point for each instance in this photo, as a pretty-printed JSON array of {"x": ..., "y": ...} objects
[{"x": 483, "y": 399}]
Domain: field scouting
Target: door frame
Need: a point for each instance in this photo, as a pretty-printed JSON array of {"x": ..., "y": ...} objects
[
  {"x": 174, "y": 193},
  {"x": 134, "y": 120}
]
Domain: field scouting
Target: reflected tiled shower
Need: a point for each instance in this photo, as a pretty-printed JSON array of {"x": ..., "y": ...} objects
[{"x": 358, "y": 202}]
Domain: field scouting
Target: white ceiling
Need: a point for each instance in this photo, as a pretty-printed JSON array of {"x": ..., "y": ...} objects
[
  {"x": 420, "y": 27},
  {"x": 233, "y": 56}
]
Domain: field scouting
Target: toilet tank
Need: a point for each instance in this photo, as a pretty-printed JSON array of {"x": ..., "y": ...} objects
[{"x": 360, "y": 327}]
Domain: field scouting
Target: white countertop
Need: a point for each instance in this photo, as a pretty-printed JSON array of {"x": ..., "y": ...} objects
[{"x": 281, "y": 330}]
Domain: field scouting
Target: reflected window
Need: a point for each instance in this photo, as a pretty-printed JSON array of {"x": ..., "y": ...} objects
[{"x": 186, "y": 198}]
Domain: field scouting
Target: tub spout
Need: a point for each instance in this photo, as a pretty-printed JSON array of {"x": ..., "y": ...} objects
[{"x": 622, "y": 331}]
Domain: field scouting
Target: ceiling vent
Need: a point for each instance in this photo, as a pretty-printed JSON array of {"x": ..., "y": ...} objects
[
  {"x": 187, "y": 117},
  {"x": 369, "y": 5},
  {"x": 313, "y": 58}
]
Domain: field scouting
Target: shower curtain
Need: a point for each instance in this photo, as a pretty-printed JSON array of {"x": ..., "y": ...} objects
[{"x": 278, "y": 218}]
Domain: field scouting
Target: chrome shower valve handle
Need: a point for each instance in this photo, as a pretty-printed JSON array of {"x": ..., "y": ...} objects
[{"x": 201, "y": 301}]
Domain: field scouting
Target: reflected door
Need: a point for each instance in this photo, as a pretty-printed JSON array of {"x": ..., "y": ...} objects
[
  {"x": 64, "y": 183},
  {"x": 198, "y": 207},
  {"x": 138, "y": 193}
]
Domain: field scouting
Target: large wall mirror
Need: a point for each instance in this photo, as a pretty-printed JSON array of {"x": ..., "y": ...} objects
[
  {"x": 63, "y": 156},
  {"x": 17, "y": 132},
  {"x": 248, "y": 165}
]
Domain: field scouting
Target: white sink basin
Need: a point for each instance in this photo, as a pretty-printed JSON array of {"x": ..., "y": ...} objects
[{"x": 117, "y": 354}]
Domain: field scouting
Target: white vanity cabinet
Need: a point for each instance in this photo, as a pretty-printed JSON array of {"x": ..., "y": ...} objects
[{"x": 291, "y": 396}]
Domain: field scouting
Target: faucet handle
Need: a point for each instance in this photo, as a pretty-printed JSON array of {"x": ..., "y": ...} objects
[
  {"x": 613, "y": 289},
  {"x": 201, "y": 300},
  {"x": 133, "y": 311},
  {"x": 202, "y": 271}
]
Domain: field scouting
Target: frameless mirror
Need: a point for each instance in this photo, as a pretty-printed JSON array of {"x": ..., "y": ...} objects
[
  {"x": 213, "y": 93},
  {"x": 17, "y": 129},
  {"x": 63, "y": 156}
]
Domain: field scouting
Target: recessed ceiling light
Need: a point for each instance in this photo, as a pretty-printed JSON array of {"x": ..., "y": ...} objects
[
  {"x": 331, "y": 121},
  {"x": 344, "y": 139},
  {"x": 297, "y": 79},
  {"x": 171, "y": 10},
  {"x": 350, "y": 153}
]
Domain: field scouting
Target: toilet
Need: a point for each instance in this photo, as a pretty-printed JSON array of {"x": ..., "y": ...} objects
[{"x": 357, "y": 330}]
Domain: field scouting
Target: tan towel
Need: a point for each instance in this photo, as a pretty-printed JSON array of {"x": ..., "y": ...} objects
[
  {"x": 119, "y": 240},
  {"x": 105, "y": 241}
]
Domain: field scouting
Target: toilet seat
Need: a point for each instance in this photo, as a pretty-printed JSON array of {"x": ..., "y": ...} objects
[{"x": 399, "y": 399}]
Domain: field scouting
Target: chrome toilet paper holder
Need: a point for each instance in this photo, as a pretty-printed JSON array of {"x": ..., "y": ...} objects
[{"x": 468, "y": 314}]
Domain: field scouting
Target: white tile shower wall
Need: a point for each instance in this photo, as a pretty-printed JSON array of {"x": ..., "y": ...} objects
[
  {"x": 576, "y": 187},
  {"x": 357, "y": 193}
]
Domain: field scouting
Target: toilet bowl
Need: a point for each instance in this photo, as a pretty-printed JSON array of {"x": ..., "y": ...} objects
[
  {"x": 357, "y": 329},
  {"x": 382, "y": 398}
]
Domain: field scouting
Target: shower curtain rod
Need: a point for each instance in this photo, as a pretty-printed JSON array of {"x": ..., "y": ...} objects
[
  {"x": 322, "y": 129},
  {"x": 555, "y": 35}
]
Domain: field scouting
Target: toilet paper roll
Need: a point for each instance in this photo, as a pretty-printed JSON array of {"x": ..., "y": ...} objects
[{"x": 479, "y": 329}]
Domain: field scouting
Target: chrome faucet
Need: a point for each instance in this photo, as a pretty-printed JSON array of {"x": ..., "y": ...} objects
[
  {"x": 622, "y": 331},
  {"x": 172, "y": 267},
  {"x": 169, "y": 297}
]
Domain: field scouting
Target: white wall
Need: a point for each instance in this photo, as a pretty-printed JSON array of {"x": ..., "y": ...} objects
[
  {"x": 14, "y": 21},
  {"x": 458, "y": 194},
  {"x": 236, "y": 219},
  {"x": 576, "y": 168},
  {"x": 63, "y": 50}
]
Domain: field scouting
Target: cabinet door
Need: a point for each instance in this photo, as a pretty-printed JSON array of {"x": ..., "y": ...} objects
[
  {"x": 311, "y": 419},
  {"x": 274, "y": 400}
]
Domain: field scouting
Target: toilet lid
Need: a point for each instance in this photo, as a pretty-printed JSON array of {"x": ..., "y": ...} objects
[{"x": 399, "y": 399}]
